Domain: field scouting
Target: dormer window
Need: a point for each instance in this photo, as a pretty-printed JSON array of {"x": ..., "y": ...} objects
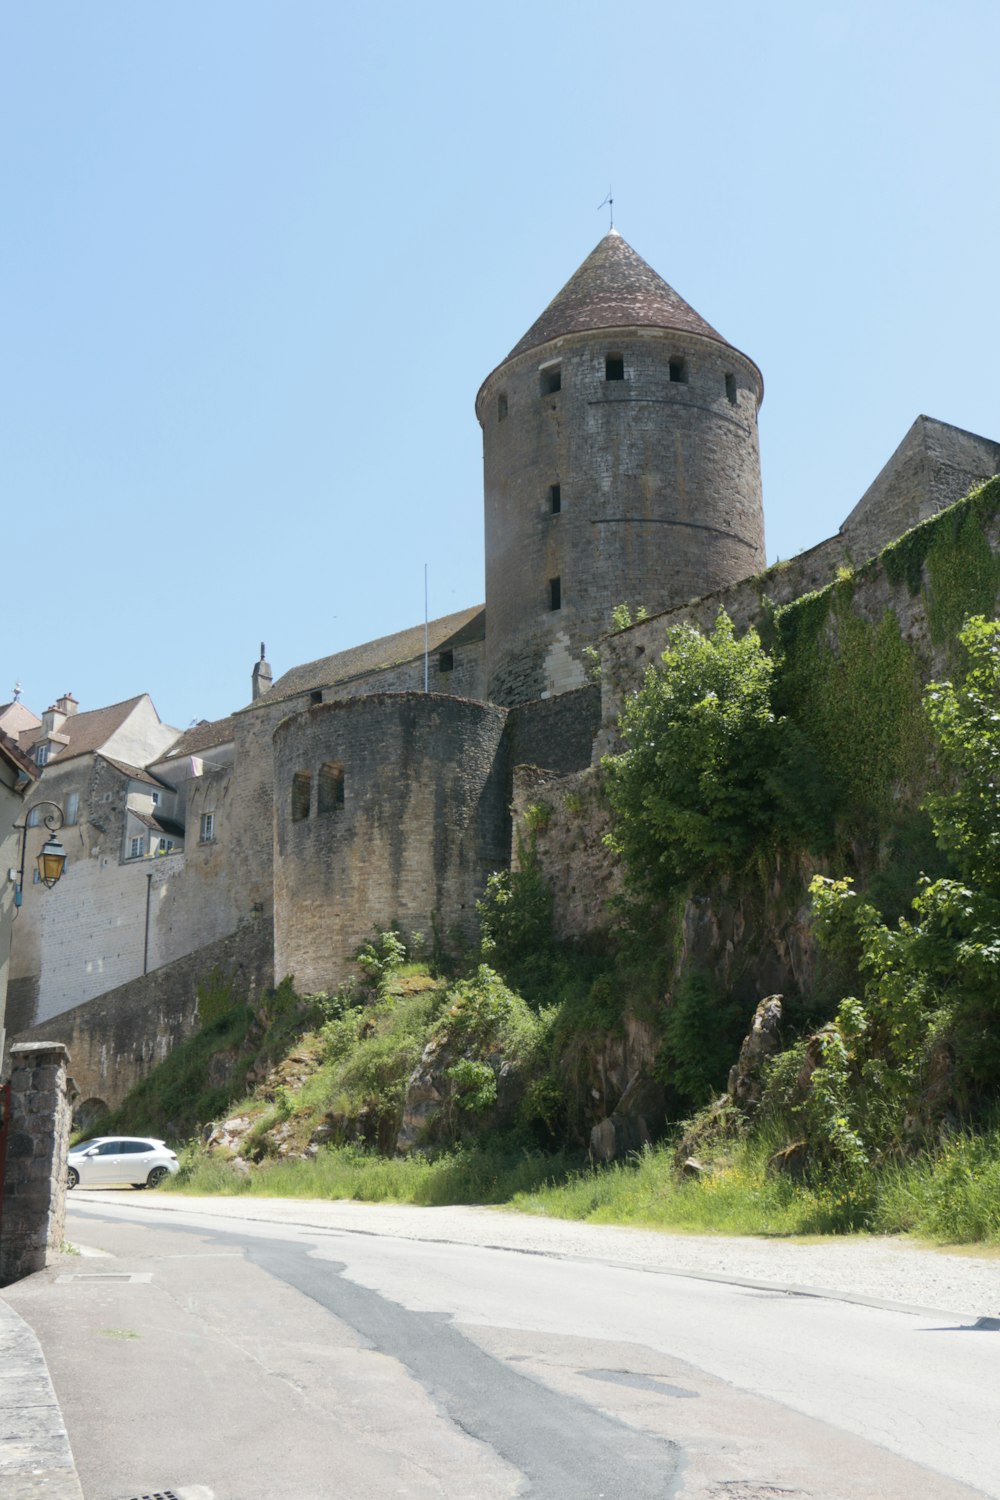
[
  {"x": 42, "y": 754},
  {"x": 550, "y": 380}
]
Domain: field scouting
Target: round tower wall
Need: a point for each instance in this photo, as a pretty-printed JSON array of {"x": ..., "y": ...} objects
[
  {"x": 389, "y": 809},
  {"x": 658, "y": 500}
]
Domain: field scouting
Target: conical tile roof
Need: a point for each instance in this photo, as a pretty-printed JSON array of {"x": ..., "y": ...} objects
[{"x": 614, "y": 288}]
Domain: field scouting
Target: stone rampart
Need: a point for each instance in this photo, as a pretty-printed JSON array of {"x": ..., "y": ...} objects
[
  {"x": 117, "y": 1039},
  {"x": 388, "y": 810}
]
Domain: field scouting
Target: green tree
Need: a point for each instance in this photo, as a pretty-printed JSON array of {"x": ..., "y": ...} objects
[
  {"x": 710, "y": 778},
  {"x": 966, "y": 724}
]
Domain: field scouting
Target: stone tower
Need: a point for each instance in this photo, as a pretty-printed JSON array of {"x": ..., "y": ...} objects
[{"x": 621, "y": 466}]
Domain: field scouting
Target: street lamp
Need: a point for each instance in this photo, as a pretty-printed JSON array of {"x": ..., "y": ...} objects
[{"x": 52, "y": 858}]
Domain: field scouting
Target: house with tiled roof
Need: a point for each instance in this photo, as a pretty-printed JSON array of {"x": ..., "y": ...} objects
[{"x": 87, "y": 933}]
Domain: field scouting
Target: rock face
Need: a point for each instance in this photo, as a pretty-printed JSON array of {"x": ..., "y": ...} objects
[
  {"x": 634, "y": 1123},
  {"x": 431, "y": 1111},
  {"x": 746, "y": 1077},
  {"x": 617, "y": 1081}
]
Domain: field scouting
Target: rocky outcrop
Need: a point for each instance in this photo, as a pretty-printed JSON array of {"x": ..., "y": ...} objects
[
  {"x": 431, "y": 1108},
  {"x": 635, "y": 1123},
  {"x": 746, "y": 1077}
]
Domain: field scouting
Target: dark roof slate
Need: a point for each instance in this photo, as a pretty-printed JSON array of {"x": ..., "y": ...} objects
[
  {"x": 614, "y": 288},
  {"x": 16, "y": 757},
  {"x": 134, "y": 773},
  {"x": 461, "y": 629},
  {"x": 204, "y": 736},
  {"x": 159, "y": 824}
]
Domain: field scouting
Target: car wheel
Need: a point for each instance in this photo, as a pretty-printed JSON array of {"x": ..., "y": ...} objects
[
  {"x": 156, "y": 1176},
  {"x": 72, "y": 1177}
]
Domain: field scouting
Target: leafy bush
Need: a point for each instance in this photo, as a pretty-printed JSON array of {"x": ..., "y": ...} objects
[
  {"x": 711, "y": 778},
  {"x": 515, "y": 922},
  {"x": 703, "y": 1026},
  {"x": 474, "y": 1085}
]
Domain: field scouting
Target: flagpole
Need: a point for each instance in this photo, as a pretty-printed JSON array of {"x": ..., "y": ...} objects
[{"x": 425, "y": 628}]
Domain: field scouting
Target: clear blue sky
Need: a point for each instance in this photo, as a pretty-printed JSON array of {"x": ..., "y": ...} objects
[{"x": 259, "y": 255}]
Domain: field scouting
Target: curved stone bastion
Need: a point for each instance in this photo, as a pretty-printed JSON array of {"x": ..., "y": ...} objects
[{"x": 388, "y": 809}]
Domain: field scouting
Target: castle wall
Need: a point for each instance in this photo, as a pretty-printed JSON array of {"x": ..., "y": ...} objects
[
  {"x": 935, "y": 465},
  {"x": 117, "y": 1039},
  {"x": 659, "y": 493},
  {"x": 422, "y": 823},
  {"x": 557, "y": 733}
]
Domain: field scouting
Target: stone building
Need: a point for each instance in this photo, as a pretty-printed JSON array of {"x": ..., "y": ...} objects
[{"x": 373, "y": 786}]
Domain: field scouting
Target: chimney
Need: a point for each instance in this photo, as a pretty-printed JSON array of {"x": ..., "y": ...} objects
[
  {"x": 53, "y": 719},
  {"x": 262, "y": 678},
  {"x": 67, "y": 705}
]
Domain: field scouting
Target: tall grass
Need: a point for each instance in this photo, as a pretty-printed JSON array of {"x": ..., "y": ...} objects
[{"x": 952, "y": 1197}]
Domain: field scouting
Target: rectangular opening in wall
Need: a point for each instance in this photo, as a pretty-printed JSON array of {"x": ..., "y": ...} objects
[
  {"x": 614, "y": 367},
  {"x": 446, "y": 661},
  {"x": 331, "y": 787},
  {"x": 316, "y": 696},
  {"x": 301, "y": 795},
  {"x": 731, "y": 388},
  {"x": 207, "y": 833},
  {"x": 555, "y": 593},
  {"x": 502, "y": 407},
  {"x": 679, "y": 370},
  {"x": 555, "y": 499},
  {"x": 551, "y": 380}
]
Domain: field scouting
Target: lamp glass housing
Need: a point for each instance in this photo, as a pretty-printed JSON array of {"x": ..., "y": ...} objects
[{"x": 51, "y": 862}]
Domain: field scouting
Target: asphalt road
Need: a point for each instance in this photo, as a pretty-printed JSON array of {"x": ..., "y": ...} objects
[{"x": 264, "y": 1362}]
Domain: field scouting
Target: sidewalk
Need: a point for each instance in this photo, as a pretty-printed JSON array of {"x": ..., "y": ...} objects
[{"x": 35, "y": 1456}]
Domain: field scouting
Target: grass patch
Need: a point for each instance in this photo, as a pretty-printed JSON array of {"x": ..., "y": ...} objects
[{"x": 950, "y": 1198}]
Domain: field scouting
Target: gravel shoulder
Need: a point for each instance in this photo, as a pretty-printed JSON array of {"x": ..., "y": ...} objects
[{"x": 882, "y": 1271}]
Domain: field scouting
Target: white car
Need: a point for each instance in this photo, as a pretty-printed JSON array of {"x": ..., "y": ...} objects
[{"x": 117, "y": 1160}]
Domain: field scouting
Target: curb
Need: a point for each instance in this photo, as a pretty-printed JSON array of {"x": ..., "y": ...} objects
[{"x": 35, "y": 1455}]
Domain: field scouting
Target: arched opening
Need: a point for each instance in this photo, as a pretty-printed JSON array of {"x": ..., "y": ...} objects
[{"x": 87, "y": 1112}]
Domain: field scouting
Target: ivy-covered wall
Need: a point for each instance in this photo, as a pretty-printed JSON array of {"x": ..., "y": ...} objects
[{"x": 855, "y": 656}]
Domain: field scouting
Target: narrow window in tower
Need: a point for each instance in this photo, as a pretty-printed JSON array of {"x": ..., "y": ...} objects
[
  {"x": 555, "y": 593},
  {"x": 555, "y": 499},
  {"x": 331, "y": 787},
  {"x": 301, "y": 790},
  {"x": 316, "y": 696},
  {"x": 446, "y": 661},
  {"x": 679, "y": 370},
  {"x": 502, "y": 407},
  {"x": 614, "y": 367},
  {"x": 551, "y": 380},
  {"x": 731, "y": 388}
]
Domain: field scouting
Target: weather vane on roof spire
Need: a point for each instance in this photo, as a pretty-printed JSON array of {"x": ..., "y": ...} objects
[{"x": 609, "y": 200}]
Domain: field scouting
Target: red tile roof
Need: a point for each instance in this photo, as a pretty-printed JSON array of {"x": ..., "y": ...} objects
[{"x": 87, "y": 731}]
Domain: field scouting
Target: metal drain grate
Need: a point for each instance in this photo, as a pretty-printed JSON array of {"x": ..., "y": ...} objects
[{"x": 189, "y": 1492}]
